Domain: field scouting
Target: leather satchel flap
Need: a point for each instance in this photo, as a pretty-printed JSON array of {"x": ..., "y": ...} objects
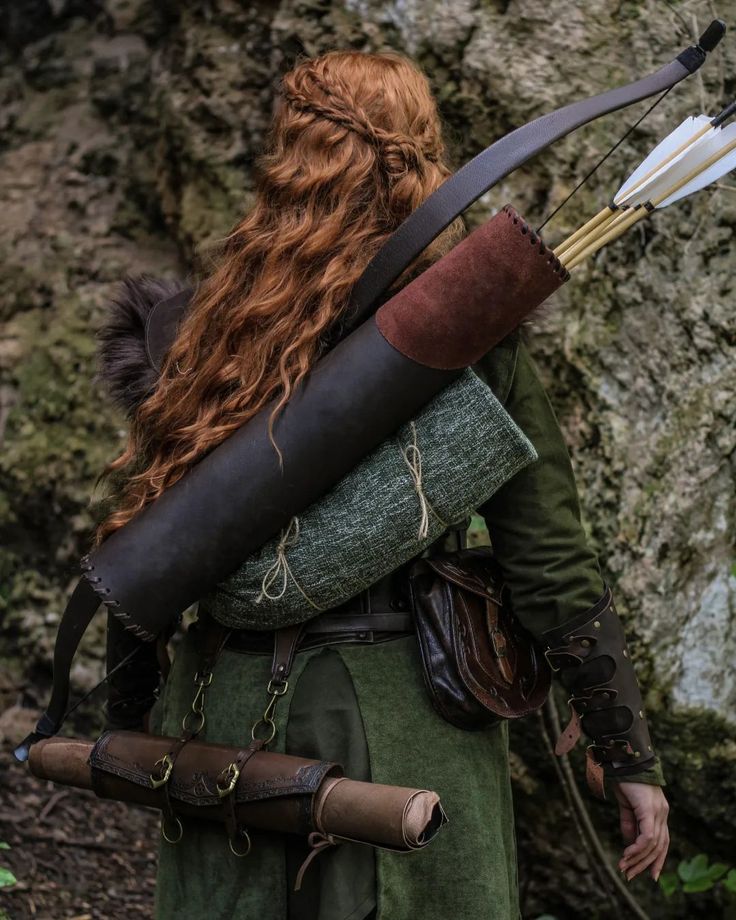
[
  {"x": 473, "y": 569},
  {"x": 133, "y": 756},
  {"x": 474, "y": 650}
]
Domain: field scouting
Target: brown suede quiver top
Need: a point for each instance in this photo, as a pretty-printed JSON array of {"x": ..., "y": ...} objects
[{"x": 464, "y": 304}]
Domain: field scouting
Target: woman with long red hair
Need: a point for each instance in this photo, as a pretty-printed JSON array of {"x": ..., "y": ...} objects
[{"x": 355, "y": 146}]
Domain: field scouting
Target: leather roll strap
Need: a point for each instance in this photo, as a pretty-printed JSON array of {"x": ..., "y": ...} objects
[
  {"x": 237, "y": 832},
  {"x": 216, "y": 637},
  {"x": 285, "y": 643},
  {"x": 593, "y": 662},
  {"x": 213, "y": 642}
]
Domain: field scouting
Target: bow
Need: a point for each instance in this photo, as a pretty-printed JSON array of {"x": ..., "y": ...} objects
[
  {"x": 398, "y": 252},
  {"x": 503, "y": 157}
]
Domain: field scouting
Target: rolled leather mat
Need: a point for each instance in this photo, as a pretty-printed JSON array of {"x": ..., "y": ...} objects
[
  {"x": 274, "y": 792},
  {"x": 238, "y": 497},
  {"x": 384, "y": 816}
]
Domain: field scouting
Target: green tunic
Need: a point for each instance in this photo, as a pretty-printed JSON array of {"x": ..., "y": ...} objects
[{"x": 366, "y": 706}]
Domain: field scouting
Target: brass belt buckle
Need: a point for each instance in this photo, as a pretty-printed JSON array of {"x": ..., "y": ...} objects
[{"x": 227, "y": 780}]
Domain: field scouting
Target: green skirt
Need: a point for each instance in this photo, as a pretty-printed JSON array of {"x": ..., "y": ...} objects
[{"x": 366, "y": 707}]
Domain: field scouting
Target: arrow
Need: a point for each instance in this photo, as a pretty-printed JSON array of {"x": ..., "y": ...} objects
[
  {"x": 696, "y": 154},
  {"x": 680, "y": 149},
  {"x": 720, "y": 159}
]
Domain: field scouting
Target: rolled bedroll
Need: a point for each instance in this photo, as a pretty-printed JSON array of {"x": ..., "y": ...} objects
[
  {"x": 272, "y": 791},
  {"x": 390, "y": 366}
]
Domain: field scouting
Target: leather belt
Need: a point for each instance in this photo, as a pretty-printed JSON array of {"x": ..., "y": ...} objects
[{"x": 378, "y": 614}]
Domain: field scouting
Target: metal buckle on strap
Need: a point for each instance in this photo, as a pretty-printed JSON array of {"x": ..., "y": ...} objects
[
  {"x": 227, "y": 780},
  {"x": 167, "y": 765}
]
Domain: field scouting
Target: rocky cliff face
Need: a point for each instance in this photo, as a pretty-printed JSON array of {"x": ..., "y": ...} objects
[{"x": 127, "y": 134}]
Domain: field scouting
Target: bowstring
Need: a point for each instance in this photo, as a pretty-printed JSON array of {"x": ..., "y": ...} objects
[
  {"x": 603, "y": 159},
  {"x": 97, "y": 686}
]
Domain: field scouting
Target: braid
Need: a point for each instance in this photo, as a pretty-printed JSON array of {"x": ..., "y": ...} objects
[
  {"x": 398, "y": 151},
  {"x": 335, "y": 113}
]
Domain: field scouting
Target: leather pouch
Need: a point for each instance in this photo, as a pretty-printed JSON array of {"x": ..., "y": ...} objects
[{"x": 480, "y": 664}]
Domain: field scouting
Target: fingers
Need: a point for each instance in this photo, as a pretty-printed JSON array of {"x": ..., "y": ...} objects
[
  {"x": 651, "y": 844},
  {"x": 644, "y": 849},
  {"x": 648, "y": 854},
  {"x": 659, "y": 861},
  {"x": 628, "y": 823}
]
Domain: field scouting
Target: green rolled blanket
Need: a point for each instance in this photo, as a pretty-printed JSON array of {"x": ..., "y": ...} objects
[{"x": 434, "y": 471}]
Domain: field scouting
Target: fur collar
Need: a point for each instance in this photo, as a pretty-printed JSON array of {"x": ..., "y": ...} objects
[{"x": 124, "y": 367}]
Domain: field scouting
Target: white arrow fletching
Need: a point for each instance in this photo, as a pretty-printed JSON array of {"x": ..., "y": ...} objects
[
  {"x": 682, "y": 166},
  {"x": 713, "y": 173},
  {"x": 664, "y": 149}
]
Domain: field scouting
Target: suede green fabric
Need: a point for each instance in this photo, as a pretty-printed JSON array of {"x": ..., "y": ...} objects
[{"x": 368, "y": 705}]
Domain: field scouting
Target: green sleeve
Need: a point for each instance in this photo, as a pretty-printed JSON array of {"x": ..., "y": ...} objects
[{"x": 534, "y": 520}]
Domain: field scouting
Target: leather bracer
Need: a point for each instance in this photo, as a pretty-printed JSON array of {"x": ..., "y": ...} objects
[{"x": 592, "y": 661}]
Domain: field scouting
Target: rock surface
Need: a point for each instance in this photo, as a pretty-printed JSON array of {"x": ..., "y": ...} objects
[{"x": 127, "y": 134}]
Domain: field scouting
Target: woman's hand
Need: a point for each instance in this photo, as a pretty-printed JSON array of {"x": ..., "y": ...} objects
[{"x": 643, "y": 814}]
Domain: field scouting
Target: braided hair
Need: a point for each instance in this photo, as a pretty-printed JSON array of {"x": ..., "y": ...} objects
[
  {"x": 354, "y": 147},
  {"x": 399, "y": 151}
]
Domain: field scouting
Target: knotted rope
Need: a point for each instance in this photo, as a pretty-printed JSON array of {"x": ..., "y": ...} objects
[
  {"x": 413, "y": 459},
  {"x": 281, "y": 568}
]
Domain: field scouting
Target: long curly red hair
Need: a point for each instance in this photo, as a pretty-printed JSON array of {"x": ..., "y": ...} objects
[{"x": 354, "y": 147}]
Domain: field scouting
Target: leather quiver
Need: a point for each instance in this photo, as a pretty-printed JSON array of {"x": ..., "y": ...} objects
[{"x": 479, "y": 663}]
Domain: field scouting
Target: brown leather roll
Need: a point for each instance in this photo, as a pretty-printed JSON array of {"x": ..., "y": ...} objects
[
  {"x": 274, "y": 792},
  {"x": 385, "y": 816}
]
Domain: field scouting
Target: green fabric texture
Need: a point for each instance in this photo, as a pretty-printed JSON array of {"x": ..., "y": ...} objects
[
  {"x": 325, "y": 722},
  {"x": 462, "y": 446},
  {"x": 534, "y": 522},
  {"x": 470, "y": 866},
  {"x": 653, "y": 776}
]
